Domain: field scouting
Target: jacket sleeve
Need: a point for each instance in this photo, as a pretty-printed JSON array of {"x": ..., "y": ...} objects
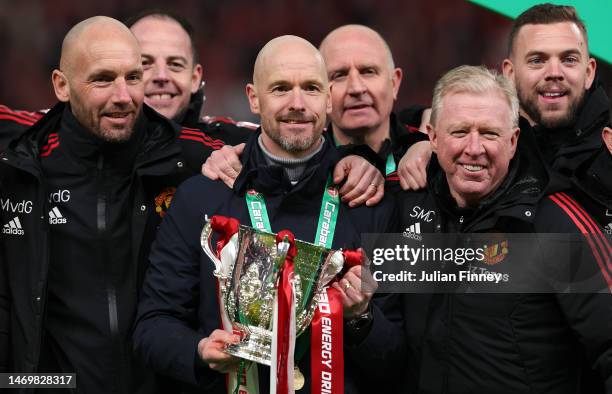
[
  {"x": 167, "y": 329},
  {"x": 5, "y": 312},
  {"x": 588, "y": 310},
  {"x": 382, "y": 351}
]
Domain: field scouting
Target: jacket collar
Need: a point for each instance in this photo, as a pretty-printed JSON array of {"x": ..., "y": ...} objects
[
  {"x": 191, "y": 117},
  {"x": 272, "y": 180},
  {"x": 521, "y": 190},
  {"x": 595, "y": 179},
  {"x": 158, "y": 140}
]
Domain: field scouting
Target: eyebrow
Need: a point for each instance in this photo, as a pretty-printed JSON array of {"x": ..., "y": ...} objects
[
  {"x": 572, "y": 51},
  {"x": 181, "y": 58},
  {"x": 303, "y": 83},
  {"x": 172, "y": 57},
  {"x": 468, "y": 126},
  {"x": 101, "y": 73}
]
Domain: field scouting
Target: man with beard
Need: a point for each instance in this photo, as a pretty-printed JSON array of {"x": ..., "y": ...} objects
[
  {"x": 561, "y": 107},
  {"x": 287, "y": 166},
  {"x": 172, "y": 80},
  {"x": 82, "y": 193},
  {"x": 364, "y": 85},
  {"x": 563, "y": 110}
]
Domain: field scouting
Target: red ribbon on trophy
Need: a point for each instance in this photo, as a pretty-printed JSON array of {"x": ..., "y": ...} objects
[
  {"x": 326, "y": 337},
  {"x": 284, "y": 331}
]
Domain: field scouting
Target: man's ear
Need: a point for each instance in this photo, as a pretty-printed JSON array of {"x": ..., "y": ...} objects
[
  {"x": 60, "y": 86},
  {"x": 606, "y": 134},
  {"x": 253, "y": 99},
  {"x": 433, "y": 138},
  {"x": 590, "y": 73},
  {"x": 508, "y": 69},
  {"x": 396, "y": 81},
  {"x": 514, "y": 140},
  {"x": 196, "y": 78}
]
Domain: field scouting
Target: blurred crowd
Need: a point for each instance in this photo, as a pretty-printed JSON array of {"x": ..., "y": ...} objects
[{"x": 427, "y": 38}]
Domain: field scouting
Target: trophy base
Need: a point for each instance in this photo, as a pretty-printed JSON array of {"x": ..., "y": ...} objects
[{"x": 256, "y": 345}]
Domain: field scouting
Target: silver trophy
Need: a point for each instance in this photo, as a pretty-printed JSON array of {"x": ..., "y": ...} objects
[{"x": 248, "y": 275}]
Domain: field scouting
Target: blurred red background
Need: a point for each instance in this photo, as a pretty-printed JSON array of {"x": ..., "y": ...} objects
[{"x": 427, "y": 38}]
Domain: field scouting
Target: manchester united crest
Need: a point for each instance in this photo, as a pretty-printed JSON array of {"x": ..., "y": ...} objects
[
  {"x": 494, "y": 254},
  {"x": 163, "y": 200}
]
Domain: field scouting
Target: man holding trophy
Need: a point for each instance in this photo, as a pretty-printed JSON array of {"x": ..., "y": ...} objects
[{"x": 284, "y": 278}]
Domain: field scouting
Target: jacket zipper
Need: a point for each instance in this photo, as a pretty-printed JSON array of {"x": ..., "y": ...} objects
[{"x": 101, "y": 221}]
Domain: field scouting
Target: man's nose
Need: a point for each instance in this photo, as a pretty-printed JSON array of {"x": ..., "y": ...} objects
[
  {"x": 121, "y": 94},
  {"x": 474, "y": 145},
  {"x": 554, "y": 70},
  {"x": 297, "y": 100},
  {"x": 356, "y": 85}
]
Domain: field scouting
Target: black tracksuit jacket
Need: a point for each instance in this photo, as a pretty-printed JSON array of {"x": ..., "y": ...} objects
[
  {"x": 13, "y": 122},
  {"x": 79, "y": 216},
  {"x": 179, "y": 304},
  {"x": 496, "y": 343}
]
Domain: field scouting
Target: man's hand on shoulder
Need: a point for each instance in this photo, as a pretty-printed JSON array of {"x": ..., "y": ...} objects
[
  {"x": 364, "y": 183},
  {"x": 224, "y": 164},
  {"x": 412, "y": 168}
]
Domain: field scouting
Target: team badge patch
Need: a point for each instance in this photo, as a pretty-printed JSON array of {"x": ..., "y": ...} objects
[
  {"x": 494, "y": 254},
  {"x": 163, "y": 200}
]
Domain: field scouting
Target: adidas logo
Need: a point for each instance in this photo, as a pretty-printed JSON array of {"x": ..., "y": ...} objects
[
  {"x": 413, "y": 231},
  {"x": 608, "y": 228},
  {"x": 13, "y": 227},
  {"x": 55, "y": 217},
  {"x": 415, "y": 228}
]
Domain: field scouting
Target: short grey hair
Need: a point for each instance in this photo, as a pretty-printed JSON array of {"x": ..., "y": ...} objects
[{"x": 477, "y": 80}]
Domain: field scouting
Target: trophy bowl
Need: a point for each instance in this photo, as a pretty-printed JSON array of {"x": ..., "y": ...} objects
[{"x": 247, "y": 269}]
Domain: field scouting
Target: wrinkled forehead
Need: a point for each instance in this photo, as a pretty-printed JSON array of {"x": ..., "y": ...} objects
[
  {"x": 484, "y": 110},
  {"x": 354, "y": 48}
]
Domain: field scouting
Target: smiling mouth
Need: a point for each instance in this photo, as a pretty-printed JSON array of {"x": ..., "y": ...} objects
[
  {"x": 162, "y": 96},
  {"x": 472, "y": 167},
  {"x": 553, "y": 95},
  {"x": 117, "y": 115}
]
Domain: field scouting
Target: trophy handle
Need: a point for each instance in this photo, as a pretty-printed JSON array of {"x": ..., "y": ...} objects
[{"x": 205, "y": 243}]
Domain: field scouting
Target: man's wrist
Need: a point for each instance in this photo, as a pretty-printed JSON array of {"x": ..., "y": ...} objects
[{"x": 361, "y": 321}]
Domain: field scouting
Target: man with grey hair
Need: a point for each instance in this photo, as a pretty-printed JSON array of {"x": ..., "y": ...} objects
[
  {"x": 563, "y": 107},
  {"x": 478, "y": 183}
]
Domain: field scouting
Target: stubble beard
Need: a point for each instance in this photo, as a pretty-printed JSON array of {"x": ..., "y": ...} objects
[{"x": 530, "y": 107}]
